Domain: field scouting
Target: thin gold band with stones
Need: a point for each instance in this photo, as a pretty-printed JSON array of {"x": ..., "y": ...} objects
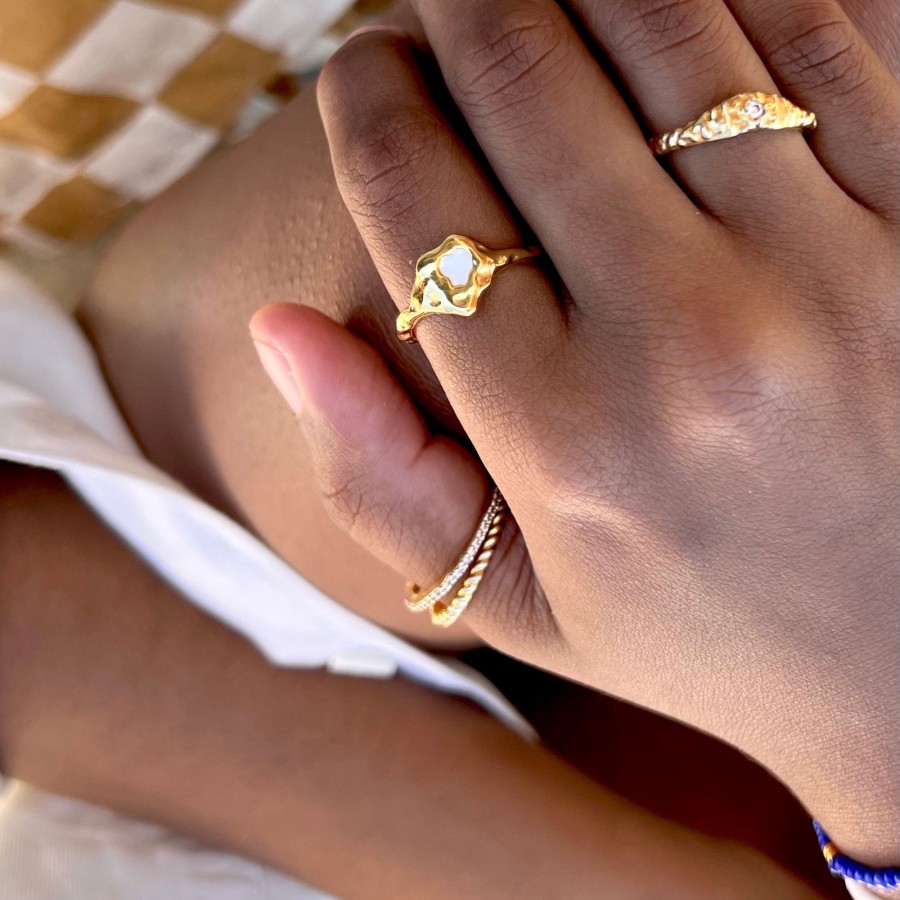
[
  {"x": 740, "y": 114},
  {"x": 469, "y": 570}
]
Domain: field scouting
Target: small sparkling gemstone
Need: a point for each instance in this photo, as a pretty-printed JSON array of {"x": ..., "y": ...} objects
[
  {"x": 456, "y": 266},
  {"x": 755, "y": 109}
]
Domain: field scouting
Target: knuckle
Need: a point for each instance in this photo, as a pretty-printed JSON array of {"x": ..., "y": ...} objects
[
  {"x": 737, "y": 398},
  {"x": 818, "y": 52},
  {"x": 382, "y": 149},
  {"x": 355, "y": 500},
  {"x": 385, "y": 160},
  {"x": 342, "y": 73},
  {"x": 746, "y": 399},
  {"x": 509, "y": 59},
  {"x": 862, "y": 320},
  {"x": 343, "y": 499},
  {"x": 644, "y": 29}
]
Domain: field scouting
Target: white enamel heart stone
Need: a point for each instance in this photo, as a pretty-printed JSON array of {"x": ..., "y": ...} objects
[
  {"x": 456, "y": 266},
  {"x": 755, "y": 110}
]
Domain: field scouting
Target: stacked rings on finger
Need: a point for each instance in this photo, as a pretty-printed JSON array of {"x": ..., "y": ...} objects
[
  {"x": 735, "y": 116},
  {"x": 465, "y": 577}
]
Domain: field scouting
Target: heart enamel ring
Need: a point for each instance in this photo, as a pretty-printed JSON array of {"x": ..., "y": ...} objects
[
  {"x": 740, "y": 114},
  {"x": 451, "y": 279}
]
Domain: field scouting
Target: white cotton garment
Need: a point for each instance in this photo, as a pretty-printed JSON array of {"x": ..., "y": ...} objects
[
  {"x": 54, "y": 848},
  {"x": 56, "y": 413}
]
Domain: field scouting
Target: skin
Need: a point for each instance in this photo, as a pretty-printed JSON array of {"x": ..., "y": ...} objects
[
  {"x": 168, "y": 311},
  {"x": 158, "y": 711},
  {"x": 168, "y": 308},
  {"x": 731, "y": 511}
]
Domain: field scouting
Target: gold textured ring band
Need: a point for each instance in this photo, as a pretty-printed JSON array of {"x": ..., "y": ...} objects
[
  {"x": 469, "y": 570},
  {"x": 451, "y": 279},
  {"x": 445, "y": 614},
  {"x": 735, "y": 116}
]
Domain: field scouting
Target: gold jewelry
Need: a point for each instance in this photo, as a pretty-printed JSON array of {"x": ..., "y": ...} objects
[
  {"x": 451, "y": 278},
  {"x": 445, "y": 614},
  {"x": 469, "y": 569},
  {"x": 735, "y": 116}
]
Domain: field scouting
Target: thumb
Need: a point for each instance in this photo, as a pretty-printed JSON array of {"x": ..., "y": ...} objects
[{"x": 408, "y": 496}]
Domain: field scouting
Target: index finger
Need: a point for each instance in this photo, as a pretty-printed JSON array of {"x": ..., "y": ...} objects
[{"x": 409, "y": 182}]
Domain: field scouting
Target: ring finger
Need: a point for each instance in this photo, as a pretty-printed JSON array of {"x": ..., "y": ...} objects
[
  {"x": 680, "y": 58},
  {"x": 816, "y": 53},
  {"x": 557, "y": 133},
  {"x": 409, "y": 182}
]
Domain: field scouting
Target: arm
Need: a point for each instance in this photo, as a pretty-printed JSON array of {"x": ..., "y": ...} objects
[{"x": 381, "y": 788}]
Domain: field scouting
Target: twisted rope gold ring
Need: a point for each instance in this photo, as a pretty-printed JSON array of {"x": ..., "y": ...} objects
[{"x": 469, "y": 570}]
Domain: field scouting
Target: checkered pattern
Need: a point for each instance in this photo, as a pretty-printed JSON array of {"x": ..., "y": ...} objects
[{"x": 104, "y": 103}]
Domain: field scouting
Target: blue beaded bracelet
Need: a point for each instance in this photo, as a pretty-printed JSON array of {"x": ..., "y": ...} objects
[{"x": 842, "y": 866}]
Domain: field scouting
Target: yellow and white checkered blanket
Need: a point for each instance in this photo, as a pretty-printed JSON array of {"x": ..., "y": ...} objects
[{"x": 104, "y": 103}]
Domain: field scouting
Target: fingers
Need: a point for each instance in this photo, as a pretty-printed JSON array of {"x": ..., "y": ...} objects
[
  {"x": 408, "y": 497},
  {"x": 408, "y": 181},
  {"x": 821, "y": 60},
  {"x": 878, "y": 22},
  {"x": 679, "y": 58},
  {"x": 558, "y": 134}
]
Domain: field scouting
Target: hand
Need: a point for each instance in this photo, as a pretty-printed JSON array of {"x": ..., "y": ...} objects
[{"x": 698, "y": 438}]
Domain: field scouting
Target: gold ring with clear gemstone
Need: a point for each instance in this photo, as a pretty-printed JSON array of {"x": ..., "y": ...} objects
[
  {"x": 451, "y": 279},
  {"x": 754, "y": 111}
]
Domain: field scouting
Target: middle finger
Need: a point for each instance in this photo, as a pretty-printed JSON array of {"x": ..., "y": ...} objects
[{"x": 556, "y": 131}]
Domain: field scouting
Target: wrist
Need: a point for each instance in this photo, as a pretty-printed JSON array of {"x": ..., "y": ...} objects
[
  {"x": 865, "y": 832},
  {"x": 830, "y": 731},
  {"x": 879, "y": 881},
  {"x": 852, "y": 788}
]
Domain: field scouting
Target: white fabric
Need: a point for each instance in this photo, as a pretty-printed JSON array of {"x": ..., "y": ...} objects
[
  {"x": 53, "y": 848},
  {"x": 151, "y": 152},
  {"x": 14, "y": 85},
  {"x": 859, "y": 891},
  {"x": 56, "y": 412}
]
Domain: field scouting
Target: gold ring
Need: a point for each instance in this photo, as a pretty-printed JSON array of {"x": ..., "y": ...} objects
[
  {"x": 735, "y": 116},
  {"x": 469, "y": 570},
  {"x": 451, "y": 278}
]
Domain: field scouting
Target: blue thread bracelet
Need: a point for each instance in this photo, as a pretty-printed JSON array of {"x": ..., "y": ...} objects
[{"x": 842, "y": 866}]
